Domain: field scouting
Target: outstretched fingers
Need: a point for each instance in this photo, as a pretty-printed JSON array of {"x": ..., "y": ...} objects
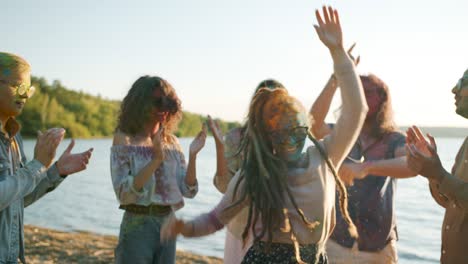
[
  {"x": 433, "y": 147},
  {"x": 204, "y": 130},
  {"x": 351, "y": 48},
  {"x": 319, "y": 18},
  {"x": 337, "y": 17},
  {"x": 326, "y": 16},
  {"x": 87, "y": 155},
  {"x": 418, "y": 132},
  {"x": 414, "y": 135},
  {"x": 70, "y": 146}
]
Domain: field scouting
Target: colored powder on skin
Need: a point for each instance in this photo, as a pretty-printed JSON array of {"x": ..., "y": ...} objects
[
  {"x": 6, "y": 60},
  {"x": 6, "y": 72}
]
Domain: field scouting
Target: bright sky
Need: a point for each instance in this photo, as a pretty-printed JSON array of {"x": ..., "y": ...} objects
[{"x": 215, "y": 52}]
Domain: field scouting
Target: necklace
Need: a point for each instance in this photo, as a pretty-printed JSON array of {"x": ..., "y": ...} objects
[{"x": 368, "y": 147}]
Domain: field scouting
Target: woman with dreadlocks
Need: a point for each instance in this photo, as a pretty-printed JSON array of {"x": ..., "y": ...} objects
[
  {"x": 290, "y": 194},
  {"x": 228, "y": 162}
]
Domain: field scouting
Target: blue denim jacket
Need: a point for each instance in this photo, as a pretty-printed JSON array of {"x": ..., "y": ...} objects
[{"x": 27, "y": 183}]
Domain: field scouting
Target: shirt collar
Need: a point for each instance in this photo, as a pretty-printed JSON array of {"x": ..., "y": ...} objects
[{"x": 12, "y": 127}]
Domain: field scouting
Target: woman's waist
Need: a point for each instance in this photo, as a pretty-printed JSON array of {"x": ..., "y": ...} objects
[
  {"x": 176, "y": 201},
  {"x": 163, "y": 193},
  {"x": 316, "y": 247},
  {"x": 152, "y": 209},
  {"x": 304, "y": 235}
]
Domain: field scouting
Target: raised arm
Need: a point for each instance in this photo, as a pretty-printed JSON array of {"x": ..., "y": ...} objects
[
  {"x": 354, "y": 106},
  {"x": 231, "y": 158},
  {"x": 195, "y": 147},
  {"x": 146, "y": 172},
  {"x": 222, "y": 176},
  {"x": 129, "y": 187},
  {"x": 321, "y": 106}
]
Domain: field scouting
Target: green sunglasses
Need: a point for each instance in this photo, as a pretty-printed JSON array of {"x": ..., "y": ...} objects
[
  {"x": 22, "y": 89},
  {"x": 279, "y": 137},
  {"x": 459, "y": 85}
]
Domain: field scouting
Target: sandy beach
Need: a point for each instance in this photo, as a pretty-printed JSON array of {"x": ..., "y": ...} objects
[{"x": 50, "y": 246}]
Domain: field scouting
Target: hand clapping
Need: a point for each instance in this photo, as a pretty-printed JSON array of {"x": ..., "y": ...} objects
[
  {"x": 70, "y": 163},
  {"x": 421, "y": 155}
]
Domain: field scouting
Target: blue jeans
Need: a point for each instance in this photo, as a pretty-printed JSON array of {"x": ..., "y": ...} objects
[{"x": 139, "y": 241}]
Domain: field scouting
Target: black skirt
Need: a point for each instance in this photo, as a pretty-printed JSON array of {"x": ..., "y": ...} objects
[{"x": 281, "y": 253}]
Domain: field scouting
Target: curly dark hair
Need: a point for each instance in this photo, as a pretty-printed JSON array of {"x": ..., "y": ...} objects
[
  {"x": 138, "y": 105},
  {"x": 383, "y": 122}
]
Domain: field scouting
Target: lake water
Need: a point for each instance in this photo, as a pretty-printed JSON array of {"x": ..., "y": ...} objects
[{"x": 86, "y": 201}]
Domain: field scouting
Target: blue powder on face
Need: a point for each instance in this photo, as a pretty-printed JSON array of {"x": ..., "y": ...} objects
[{"x": 6, "y": 72}]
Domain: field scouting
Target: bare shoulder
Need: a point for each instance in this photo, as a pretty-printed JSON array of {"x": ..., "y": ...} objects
[{"x": 120, "y": 139}]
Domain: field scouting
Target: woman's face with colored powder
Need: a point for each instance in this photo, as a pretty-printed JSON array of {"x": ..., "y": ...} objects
[
  {"x": 373, "y": 98},
  {"x": 287, "y": 129}
]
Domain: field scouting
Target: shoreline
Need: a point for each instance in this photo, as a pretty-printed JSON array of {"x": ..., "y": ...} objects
[{"x": 43, "y": 245}]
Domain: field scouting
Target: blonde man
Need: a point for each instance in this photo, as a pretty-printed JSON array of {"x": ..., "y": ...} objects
[{"x": 23, "y": 182}]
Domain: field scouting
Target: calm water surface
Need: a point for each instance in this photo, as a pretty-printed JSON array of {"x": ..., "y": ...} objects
[{"x": 86, "y": 201}]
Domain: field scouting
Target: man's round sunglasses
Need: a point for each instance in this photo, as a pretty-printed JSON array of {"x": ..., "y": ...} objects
[
  {"x": 21, "y": 89},
  {"x": 461, "y": 83}
]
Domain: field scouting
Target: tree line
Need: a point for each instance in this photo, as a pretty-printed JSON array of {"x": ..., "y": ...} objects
[{"x": 84, "y": 115}]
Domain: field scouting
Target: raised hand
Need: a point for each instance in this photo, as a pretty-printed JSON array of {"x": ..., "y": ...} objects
[
  {"x": 215, "y": 129},
  {"x": 199, "y": 142},
  {"x": 46, "y": 145},
  {"x": 70, "y": 163},
  {"x": 414, "y": 136},
  {"x": 355, "y": 60},
  {"x": 171, "y": 228},
  {"x": 158, "y": 144},
  {"x": 329, "y": 28},
  {"x": 422, "y": 156}
]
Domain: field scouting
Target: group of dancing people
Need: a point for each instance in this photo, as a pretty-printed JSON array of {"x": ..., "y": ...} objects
[{"x": 331, "y": 202}]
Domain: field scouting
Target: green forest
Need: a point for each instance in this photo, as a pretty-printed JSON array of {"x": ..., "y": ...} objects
[{"x": 83, "y": 115}]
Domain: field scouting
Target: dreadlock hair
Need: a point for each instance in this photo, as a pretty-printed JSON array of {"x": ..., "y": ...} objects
[
  {"x": 264, "y": 175},
  {"x": 343, "y": 193},
  {"x": 270, "y": 84},
  {"x": 137, "y": 107}
]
